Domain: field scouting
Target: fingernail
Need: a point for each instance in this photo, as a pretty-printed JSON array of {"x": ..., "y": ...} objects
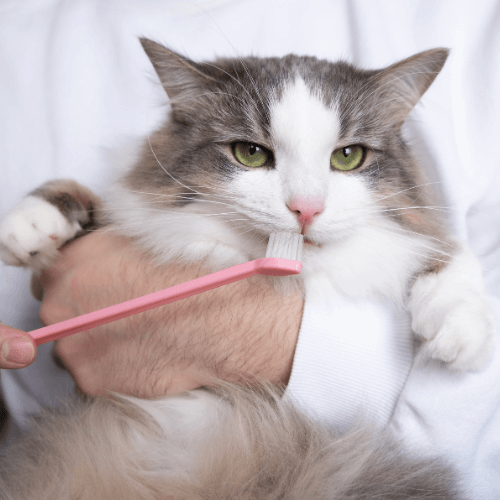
[{"x": 18, "y": 351}]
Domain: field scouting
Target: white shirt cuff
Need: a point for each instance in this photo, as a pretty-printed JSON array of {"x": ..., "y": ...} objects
[{"x": 352, "y": 360}]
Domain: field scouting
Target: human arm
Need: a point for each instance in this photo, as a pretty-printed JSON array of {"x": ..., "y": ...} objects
[{"x": 240, "y": 331}]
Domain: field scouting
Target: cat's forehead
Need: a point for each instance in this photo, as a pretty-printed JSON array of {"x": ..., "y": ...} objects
[
  {"x": 304, "y": 132},
  {"x": 301, "y": 122},
  {"x": 300, "y": 87},
  {"x": 276, "y": 74}
]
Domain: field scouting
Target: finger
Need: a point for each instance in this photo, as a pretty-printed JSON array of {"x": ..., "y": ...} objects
[{"x": 17, "y": 349}]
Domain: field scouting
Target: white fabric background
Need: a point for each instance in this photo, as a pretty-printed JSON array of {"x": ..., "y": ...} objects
[{"x": 75, "y": 84}]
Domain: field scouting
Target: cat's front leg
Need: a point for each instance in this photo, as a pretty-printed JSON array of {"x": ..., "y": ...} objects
[
  {"x": 34, "y": 229},
  {"x": 451, "y": 314}
]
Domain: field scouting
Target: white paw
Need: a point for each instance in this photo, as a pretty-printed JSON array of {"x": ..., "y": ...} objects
[
  {"x": 451, "y": 314},
  {"x": 462, "y": 336},
  {"x": 32, "y": 232}
]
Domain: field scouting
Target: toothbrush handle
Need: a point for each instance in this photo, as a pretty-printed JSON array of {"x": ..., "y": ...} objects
[{"x": 268, "y": 266}]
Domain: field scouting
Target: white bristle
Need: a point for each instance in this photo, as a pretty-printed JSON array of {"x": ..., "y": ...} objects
[{"x": 285, "y": 246}]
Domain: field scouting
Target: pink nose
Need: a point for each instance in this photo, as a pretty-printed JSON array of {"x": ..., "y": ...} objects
[{"x": 306, "y": 209}]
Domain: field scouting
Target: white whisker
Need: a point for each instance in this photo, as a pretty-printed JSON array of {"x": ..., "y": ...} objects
[
  {"x": 427, "y": 236},
  {"x": 408, "y": 189},
  {"x": 418, "y": 242},
  {"x": 187, "y": 195}
]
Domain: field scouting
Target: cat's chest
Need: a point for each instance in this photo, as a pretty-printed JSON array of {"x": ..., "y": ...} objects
[{"x": 374, "y": 261}]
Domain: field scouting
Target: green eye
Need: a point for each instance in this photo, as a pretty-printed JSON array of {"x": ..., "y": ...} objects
[
  {"x": 250, "y": 155},
  {"x": 347, "y": 158}
]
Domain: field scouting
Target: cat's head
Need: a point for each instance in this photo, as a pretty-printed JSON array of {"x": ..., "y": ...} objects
[{"x": 287, "y": 144}]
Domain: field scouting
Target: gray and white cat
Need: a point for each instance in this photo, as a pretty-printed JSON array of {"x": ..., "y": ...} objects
[{"x": 254, "y": 146}]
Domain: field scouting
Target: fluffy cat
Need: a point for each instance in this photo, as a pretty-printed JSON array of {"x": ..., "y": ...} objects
[{"x": 254, "y": 146}]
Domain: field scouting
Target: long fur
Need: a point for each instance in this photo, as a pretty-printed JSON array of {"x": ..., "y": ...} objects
[{"x": 226, "y": 443}]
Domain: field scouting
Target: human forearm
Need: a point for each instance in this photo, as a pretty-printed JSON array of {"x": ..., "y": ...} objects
[{"x": 240, "y": 331}]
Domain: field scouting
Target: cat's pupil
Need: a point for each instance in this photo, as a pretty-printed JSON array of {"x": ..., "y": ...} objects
[
  {"x": 346, "y": 151},
  {"x": 252, "y": 149}
]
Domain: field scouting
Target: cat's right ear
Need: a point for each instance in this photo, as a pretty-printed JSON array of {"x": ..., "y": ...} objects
[
  {"x": 400, "y": 86},
  {"x": 181, "y": 78}
]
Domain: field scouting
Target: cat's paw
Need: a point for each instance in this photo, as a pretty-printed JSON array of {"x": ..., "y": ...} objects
[
  {"x": 462, "y": 337},
  {"x": 456, "y": 325},
  {"x": 32, "y": 232}
]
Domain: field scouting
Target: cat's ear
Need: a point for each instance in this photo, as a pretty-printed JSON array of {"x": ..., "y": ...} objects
[
  {"x": 401, "y": 85},
  {"x": 181, "y": 78}
]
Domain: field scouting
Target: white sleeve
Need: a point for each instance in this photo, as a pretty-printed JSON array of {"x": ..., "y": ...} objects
[{"x": 352, "y": 360}]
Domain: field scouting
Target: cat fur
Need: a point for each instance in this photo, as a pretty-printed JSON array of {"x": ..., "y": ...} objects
[{"x": 222, "y": 443}]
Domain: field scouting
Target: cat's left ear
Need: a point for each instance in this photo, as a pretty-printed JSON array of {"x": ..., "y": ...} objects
[
  {"x": 183, "y": 79},
  {"x": 401, "y": 85}
]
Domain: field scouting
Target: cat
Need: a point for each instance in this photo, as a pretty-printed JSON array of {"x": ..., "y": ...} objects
[{"x": 253, "y": 146}]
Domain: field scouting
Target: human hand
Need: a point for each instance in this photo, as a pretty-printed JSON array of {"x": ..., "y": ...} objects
[
  {"x": 17, "y": 349},
  {"x": 237, "y": 332}
]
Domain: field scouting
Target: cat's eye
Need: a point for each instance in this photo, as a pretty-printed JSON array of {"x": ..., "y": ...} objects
[
  {"x": 347, "y": 158},
  {"x": 250, "y": 154}
]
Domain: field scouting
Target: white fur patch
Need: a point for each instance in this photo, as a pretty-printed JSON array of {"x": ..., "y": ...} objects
[
  {"x": 376, "y": 259},
  {"x": 198, "y": 232},
  {"x": 186, "y": 422},
  {"x": 450, "y": 312},
  {"x": 32, "y": 232},
  {"x": 304, "y": 133}
]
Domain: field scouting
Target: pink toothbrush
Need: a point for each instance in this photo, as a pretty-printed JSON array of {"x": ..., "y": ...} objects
[{"x": 284, "y": 252}]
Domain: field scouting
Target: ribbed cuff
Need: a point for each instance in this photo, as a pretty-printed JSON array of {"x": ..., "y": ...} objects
[{"x": 352, "y": 360}]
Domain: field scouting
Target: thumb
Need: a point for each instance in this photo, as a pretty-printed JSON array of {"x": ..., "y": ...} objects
[{"x": 17, "y": 348}]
